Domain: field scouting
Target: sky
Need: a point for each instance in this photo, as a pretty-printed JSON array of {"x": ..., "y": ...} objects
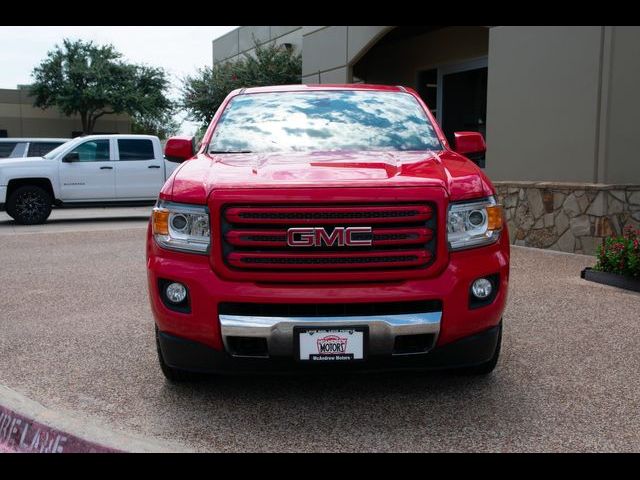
[{"x": 179, "y": 50}]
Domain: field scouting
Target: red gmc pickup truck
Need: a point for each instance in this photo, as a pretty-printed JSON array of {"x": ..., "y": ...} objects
[{"x": 327, "y": 227}]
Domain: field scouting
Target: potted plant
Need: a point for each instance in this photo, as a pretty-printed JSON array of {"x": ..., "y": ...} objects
[{"x": 618, "y": 261}]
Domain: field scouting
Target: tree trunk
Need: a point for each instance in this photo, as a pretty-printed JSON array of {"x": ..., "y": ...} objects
[
  {"x": 93, "y": 118},
  {"x": 85, "y": 124},
  {"x": 92, "y": 124}
]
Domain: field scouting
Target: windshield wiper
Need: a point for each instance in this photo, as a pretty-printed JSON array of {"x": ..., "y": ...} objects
[{"x": 230, "y": 151}]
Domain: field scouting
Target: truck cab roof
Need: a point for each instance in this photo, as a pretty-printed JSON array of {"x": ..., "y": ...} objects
[{"x": 324, "y": 86}]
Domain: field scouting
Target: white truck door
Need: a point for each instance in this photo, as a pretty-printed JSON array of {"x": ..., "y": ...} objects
[
  {"x": 169, "y": 167},
  {"x": 139, "y": 169},
  {"x": 87, "y": 172}
]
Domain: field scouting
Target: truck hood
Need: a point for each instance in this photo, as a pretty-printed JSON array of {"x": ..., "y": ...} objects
[
  {"x": 195, "y": 179},
  {"x": 28, "y": 167},
  {"x": 22, "y": 161}
]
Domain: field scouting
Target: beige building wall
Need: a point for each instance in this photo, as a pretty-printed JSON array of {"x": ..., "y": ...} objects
[
  {"x": 562, "y": 104},
  {"x": 21, "y": 119},
  {"x": 240, "y": 41},
  {"x": 621, "y": 95}
]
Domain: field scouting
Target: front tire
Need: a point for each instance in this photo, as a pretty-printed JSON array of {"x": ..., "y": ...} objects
[{"x": 29, "y": 205}]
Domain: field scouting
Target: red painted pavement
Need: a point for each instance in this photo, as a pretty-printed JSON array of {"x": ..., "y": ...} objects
[{"x": 21, "y": 434}]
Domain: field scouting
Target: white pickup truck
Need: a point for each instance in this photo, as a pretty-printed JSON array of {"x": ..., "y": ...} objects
[{"x": 95, "y": 169}]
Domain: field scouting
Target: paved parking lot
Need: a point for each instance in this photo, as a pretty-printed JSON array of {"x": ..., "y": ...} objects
[
  {"x": 80, "y": 220},
  {"x": 77, "y": 336}
]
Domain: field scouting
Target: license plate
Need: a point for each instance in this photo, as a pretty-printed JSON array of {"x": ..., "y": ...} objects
[{"x": 341, "y": 344}]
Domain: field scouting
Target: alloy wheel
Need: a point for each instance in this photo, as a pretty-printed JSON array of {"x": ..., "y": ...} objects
[{"x": 30, "y": 206}]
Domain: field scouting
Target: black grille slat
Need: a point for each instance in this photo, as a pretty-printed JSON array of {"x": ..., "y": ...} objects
[
  {"x": 331, "y": 260},
  {"x": 327, "y": 215},
  {"x": 267, "y": 238}
]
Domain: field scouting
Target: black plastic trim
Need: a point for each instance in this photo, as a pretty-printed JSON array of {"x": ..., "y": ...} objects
[
  {"x": 192, "y": 356},
  {"x": 418, "y": 343},
  {"x": 248, "y": 346},
  {"x": 613, "y": 279}
]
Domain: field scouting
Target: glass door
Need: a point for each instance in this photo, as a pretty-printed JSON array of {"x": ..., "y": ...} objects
[{"x": 462, "y": 94}]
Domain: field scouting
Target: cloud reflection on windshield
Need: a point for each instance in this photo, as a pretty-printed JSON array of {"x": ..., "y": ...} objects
[{"x": 324, "y": 121}]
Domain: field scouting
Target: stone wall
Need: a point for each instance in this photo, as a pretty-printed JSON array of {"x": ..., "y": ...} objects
[{"x": 565, "y": 216}]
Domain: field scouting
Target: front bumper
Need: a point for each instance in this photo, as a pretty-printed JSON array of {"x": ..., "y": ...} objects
[
  {"x": 204, "y": 328},
  {"x": 196, "y": 357},
  {"x": 278, "y": 331}
]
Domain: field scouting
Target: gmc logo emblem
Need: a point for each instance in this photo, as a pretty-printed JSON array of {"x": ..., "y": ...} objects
[{"x": 318, "y": 236}]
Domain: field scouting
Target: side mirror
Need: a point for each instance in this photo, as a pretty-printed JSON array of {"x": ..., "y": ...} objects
[
  {"x": 71, "y": 157},
  {"x": 179, "y": 149},
  {"x": 469, "y": 143}
]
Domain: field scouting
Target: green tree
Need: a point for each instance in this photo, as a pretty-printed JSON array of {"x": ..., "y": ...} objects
[
  {"x": 92, "y": 81},
  {"x": 270, "y": 64},
  {"x": 162, "y": 126}
]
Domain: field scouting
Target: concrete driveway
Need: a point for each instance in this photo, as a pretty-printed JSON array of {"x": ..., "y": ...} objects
[
  {"x": 77, "y": 336},
  {"x": 80, "y": 220}
]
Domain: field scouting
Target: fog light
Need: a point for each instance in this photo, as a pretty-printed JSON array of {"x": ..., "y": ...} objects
[
  {"x": 482, "y": 288},
  {"x": 176, "y": 292}
]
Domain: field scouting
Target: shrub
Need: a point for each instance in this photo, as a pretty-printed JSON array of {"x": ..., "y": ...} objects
[{"x": 621, "y": 254}]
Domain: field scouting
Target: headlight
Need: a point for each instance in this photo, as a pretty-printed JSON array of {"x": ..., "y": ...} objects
[
  {"x": 473, "y": 224},
  {"x": 182, "y": 227}
]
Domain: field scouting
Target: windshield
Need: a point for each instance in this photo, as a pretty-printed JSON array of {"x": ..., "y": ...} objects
[
  {"x": 54, "y": 153},
  {"x": 323, "y": 121}
]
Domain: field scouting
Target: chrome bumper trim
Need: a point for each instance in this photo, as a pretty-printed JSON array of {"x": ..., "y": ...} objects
[{"x": 279, "y": 330}]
